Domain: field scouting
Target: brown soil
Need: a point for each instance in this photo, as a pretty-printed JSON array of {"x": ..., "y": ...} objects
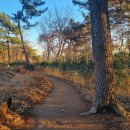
[{"x": 61, "y": 111}]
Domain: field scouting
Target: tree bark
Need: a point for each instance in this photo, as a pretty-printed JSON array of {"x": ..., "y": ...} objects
[
  {"x": 102, "y": 53},
  {"x": 22, "y": 41},
  {"x": 8, "y": 46},
  {"x": 48, "y": 50}
]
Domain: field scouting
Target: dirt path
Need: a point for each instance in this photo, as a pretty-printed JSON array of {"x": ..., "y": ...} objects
[{"x": 60, "y": 111}]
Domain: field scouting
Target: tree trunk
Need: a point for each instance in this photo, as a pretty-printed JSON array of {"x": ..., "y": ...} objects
[
  {"x": 22, "y": 41},
  {"x": 8, "y": 46},
  {"x": 102, "y": 53},
  {"x": 48, "y": 51}
]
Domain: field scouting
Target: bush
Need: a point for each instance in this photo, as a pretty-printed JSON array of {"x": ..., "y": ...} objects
[
  {"x": 82, "y": 66},
  {"x": 44, "y": 64},
  {"x": 121, "y": 68}
]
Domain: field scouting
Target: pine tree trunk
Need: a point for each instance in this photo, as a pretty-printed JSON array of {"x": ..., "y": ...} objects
[
  {"x": 102, "y": 53},
  {"x": 22, "y": 41},
  {"x": 8, "y": 46}
]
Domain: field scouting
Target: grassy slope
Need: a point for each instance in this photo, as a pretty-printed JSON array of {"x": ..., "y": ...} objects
[{"x": 26, "y": 89}]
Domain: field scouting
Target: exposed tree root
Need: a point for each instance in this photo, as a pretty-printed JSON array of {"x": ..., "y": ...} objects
[
  {"x": 120, "y": 110},
  {"x": 93, "y": 110},
  {"x": 113, "y": 107},
  {"x": 110, "y": 105}
]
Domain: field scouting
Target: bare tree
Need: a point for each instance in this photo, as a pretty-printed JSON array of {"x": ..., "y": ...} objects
[
  {"x": 120, "y": 36},
  {"x": 46, "y": 36},
  {"x": 52, "y": 28}
]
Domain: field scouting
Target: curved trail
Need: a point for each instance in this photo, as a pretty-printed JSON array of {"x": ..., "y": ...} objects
[{"x": 61, "y": 109}]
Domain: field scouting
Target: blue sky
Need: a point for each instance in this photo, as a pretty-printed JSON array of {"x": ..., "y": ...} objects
[{"x": 11, "y": 6}]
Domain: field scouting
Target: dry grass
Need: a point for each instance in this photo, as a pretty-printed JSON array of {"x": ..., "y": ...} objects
[
  {"x": 2, "y": 127},
  {"x": 25, "y": 89},
  {"x": 19, "y": 69},
  {"x": 84, "y": 85}
]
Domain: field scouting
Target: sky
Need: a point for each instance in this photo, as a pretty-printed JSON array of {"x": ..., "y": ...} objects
[{"x": 12, "y": 6}]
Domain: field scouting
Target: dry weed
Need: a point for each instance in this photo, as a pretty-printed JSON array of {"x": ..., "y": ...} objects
[{"x": 25, "y": 89}]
